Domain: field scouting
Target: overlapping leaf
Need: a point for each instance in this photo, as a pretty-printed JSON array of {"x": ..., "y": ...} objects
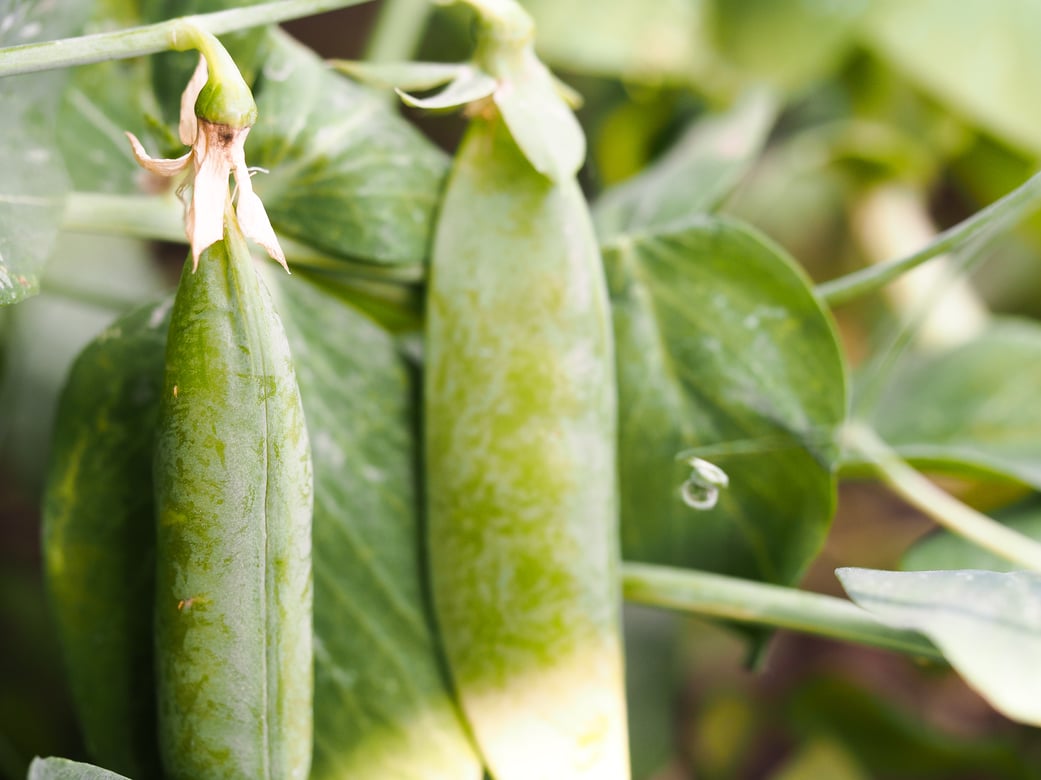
[
  {"x": 34, "y": 180},
  {"x": 347, "y": 175},
  {"x": 382, "y": 705},
  {"x": 970, "y": 408},
  {"x": 63, "y": 769},
  {"x": 722, "y": 347},
  {"x": 987, "y": 624}
]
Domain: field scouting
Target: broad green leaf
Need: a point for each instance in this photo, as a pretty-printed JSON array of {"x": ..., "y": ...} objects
[
  {"x": 347, "y": 175},
  {"x": 382, "y": 704},
  {"x": 979, "y": 56},
  {"x": 945, "y": 550},
  {"x": 722, "y": 347},
  {"x": 972, "y": 408},
  {"x": 986, "y": 623},
  {"x": 34, "y": 180},
  {"x": 648, "y": 42},
  {"x": 890, "y": 740},
  {"x": 63, "y": 769},
  {"x": 787, "y": 44},
  {"x": 698, "y": 172}
]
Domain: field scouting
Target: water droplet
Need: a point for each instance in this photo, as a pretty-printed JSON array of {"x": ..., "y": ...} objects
[{"x": 701, "y": 490}]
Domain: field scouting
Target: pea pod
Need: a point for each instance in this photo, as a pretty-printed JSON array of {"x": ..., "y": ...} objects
[
  {"x": 520, "y": 458},
  {"x": 234, "y": 492},
  {"x": 98, "y": 537}
]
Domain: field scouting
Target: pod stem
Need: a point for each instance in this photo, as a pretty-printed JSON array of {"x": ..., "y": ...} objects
[
  {"x": 957, "y": 517},
  {"x": 756, "y": 603},
  {"x": 153, "y": 38}
]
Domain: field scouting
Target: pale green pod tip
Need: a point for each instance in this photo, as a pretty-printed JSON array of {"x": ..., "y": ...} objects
[{"x": 225, "y": 99}]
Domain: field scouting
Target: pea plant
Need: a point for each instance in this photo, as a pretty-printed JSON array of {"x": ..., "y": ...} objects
[{"x": 345, "y": 448}]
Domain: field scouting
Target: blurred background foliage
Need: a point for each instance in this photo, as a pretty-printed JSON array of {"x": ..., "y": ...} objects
[{"x": 897, "y": 118}]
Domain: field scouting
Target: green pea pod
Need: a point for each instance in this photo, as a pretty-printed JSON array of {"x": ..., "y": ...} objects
[
  {"x": 98, "y": 537},
  {"x": 233, "y": 546},
  {"x": 520, "y": 458}
]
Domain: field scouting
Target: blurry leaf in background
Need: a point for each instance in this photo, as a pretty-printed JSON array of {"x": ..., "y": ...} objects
[
  {"x": 723, "y": 348},
  {"x": 786, "y": 44},
  {"x": 821, "y": 758},
  {"x": 643, "y": 42},
  {"x": 63, "y": 769},
  {"x": 944, "y": 550},
  {"x": 34, "y": 180},
  {"x": 694, "y": 175},
  {"x": 89, "y": 281},
  {"x": 980, "y": 57},
  {"x": 886, "y": 741},
  {"x": 383, "y": 708},
  {"x": 653, "y": 679},
  {"x": 972, "y": 408},
  {"x": 347, "y": 175},
  {"x": 987, "y": 624}
]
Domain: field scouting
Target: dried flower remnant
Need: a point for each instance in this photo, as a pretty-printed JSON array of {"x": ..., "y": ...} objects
[{"x": 217, "y": 150}]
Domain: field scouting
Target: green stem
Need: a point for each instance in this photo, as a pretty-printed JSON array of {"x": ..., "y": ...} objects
[
  {"x": 940, "y": 506},
  {"x": 744, "y": 601},
  {"x": 153, "y": 38},
  {"x": 867, "y": 280},
  {"x": 161, "y": 218},
  {"x": 397, "y": 31}
]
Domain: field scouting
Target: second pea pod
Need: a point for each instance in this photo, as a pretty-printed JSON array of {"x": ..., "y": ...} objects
[{"x": 520, "y": 410}]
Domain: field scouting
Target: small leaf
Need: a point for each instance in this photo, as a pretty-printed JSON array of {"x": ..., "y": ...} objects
[
  {"x": 63, "y": 769},
  {"x": 34, "y": 180},
  {"x": 540, "y": 121},
  {"x": 972, "y": 408},
  {"x": 382, "y": 704},
  {"x": 987, "y": 624},
  {"x": 723, "y": 348},
  {"x": 468, "y": 86},
  {"x": 409, "y": 76},
  {"x": 347, "y": 175},
  {"x": 695, "y": 175}
]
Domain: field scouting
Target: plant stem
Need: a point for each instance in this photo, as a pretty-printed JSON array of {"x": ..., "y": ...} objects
[
  {"x": 867, "y": 280},
  {"x": 153, "y": 38},
  {"x": 940, "y": 506},
  {"x": 744, "y": 601},
  {"x": 397, "y": 31}
]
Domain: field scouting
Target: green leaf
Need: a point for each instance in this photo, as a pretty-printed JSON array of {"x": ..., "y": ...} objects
[
  {"x": 347, "y": 175},
  {"x": 382, "y": 704},
  {"x": 980, "y": 57},
  {"x": 34, "y": 180},
  {"x": 787, "y": 44},
  {"x": 647, "y": 42},
  {"x": 695, "y": 175},
  {"x": 986, "y": 624},
  {"x": 63, "y": 769},
  {"x": 945, "y": 550},
  {"x": 722, "y": 347},
  {"x": 972, "y": 408}
]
